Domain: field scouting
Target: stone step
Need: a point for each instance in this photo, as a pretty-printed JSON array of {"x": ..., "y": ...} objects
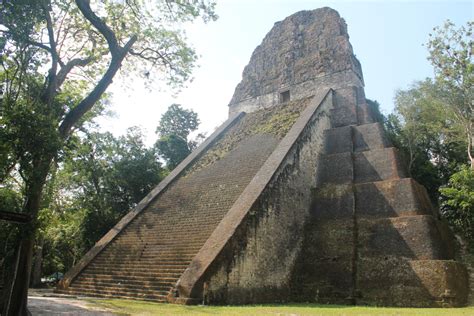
[
  {"x": 159, "y": 259},
  {"x": 138, "y": 267},
  {"x": 140, "y": 247},
  {"x": 412, "y": 237},
  {"x": 158, "y": 297},
  {"x": 129, "y": 278},
  {"x": 160, "y": 241},
  {"x": 193, "y": 239},
  {"x": 157, "y": 285},
  {"x": 150, "y": 272},
  {"x": 124, "y": 287},
  {"x": 131, "y": 274}
]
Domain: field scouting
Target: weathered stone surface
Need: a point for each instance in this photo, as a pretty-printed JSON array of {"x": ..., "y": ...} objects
[
  {"x": 306, "y": 52},
  {"x": 260, "y": 236},
  {"x": 369, "y": 137},
  {"x": 378, "y": 165},
  {"x": 338, "y": 140},
  {"x": 414, "y": 237},
  {"x": 335, "y": 169},
  {"x": 391, "y": 198},
  {"x": 418, "y": 283},
  {"x": 333, "y": 201}
]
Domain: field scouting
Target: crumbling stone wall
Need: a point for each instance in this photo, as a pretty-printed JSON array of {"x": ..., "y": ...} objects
[{"x": 305, "y": 53}]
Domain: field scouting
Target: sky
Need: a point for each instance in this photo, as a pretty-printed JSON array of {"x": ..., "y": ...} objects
[{"x": 387, "y": 38}]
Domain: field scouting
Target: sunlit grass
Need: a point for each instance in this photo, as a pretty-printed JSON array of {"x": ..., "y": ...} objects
[{"x": 126, "y": 307}]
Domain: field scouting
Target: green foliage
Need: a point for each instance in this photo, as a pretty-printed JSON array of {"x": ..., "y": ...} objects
[
  {"x": 174, "y": 128},
  {"x": 10, "y": 201},
  {"x": 420, "y": 128},
  {"x": 109, "y": 176},
  {"x": 374, "y": 109},
  {"x": 457, "y": 203},
  {"x": 433, "y": 124},
  {"x": 63, "y": 239},
  {"x": 450, "y": 52},
  {"x": 177, "y": 121},
  {"x": 173, "y": 149},
  {"x": 57, "y": 58}
]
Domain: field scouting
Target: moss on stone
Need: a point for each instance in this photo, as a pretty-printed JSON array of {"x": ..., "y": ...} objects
[{"x": 276, "y": 121}]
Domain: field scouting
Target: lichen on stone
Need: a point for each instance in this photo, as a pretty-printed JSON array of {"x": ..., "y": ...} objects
[{"x": 276, "y": 121}]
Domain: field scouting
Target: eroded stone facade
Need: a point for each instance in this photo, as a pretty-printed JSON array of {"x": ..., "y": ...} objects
[{"x": 307, "y": 52}]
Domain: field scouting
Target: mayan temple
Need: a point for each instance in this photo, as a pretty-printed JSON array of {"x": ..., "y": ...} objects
[{"x": 298, "y": 197}]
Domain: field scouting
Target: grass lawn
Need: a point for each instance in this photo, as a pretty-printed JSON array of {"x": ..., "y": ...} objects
[{"x": 126, "y": 307}]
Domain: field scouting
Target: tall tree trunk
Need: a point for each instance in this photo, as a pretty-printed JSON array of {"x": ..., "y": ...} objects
[
  {"x": 16, "y": 299},
  {"x": 38, "y": 264},
  {"x": 470, "y": 140}
]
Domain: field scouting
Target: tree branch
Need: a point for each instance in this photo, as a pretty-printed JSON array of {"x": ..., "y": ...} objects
[
  {"x": 86, "y": 104},
  {"x": 69, "y": 66},
  {"x": 118, "y": 54},
  {"x": 48, "y": 94},
  {"x": 84, "y": 7},
  {"x": 29, "y": 41}
]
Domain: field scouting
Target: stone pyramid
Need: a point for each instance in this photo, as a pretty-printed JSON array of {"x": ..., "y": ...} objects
[{"x": 299, "y": 196}]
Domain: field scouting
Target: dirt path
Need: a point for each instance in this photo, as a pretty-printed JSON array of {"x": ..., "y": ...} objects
[{"x": 41, "y": 304}]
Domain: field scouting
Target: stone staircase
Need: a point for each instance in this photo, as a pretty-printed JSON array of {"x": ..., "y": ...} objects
[
  {"x": 373, "y": 236},
  {"x": 145, "y": 260}
]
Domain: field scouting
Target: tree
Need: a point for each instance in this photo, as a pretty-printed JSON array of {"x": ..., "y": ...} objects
[
  {"x": 421, "y": 130},
  {"x": 85, "y": 46},
  {"x": 177, "y": 121},
  {"x": 173, "y": 149},
  {"x": 110, "y": 176},
  {"x": 450, "y": 53},
  {"x": 100, "y": 178},
  {"x": 457, "y": 205},
  {"x": 174, "y": 128}
]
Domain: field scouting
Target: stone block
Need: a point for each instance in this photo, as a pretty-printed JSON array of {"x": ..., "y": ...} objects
[
  {"x": 345, "y": 108},
  {"x": 332, "y": 201},
  {"x": 378, "y": 165},
  {"x": 343, "y": 116},
  {"x": 413, "y": 237},
  {"x": 446, "y": 280},
  {"x": 330, "y": 240},
  {"x": 334, "y": 169},
  {"x": 411, "y": 283},
  {"x": 391, "y": 198},
  {"x": 369, "y": 136},
  {"x": 364, "y": 115},
  {"x": 338, "y": 140},
  {"x": 326, "y": 282}
]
